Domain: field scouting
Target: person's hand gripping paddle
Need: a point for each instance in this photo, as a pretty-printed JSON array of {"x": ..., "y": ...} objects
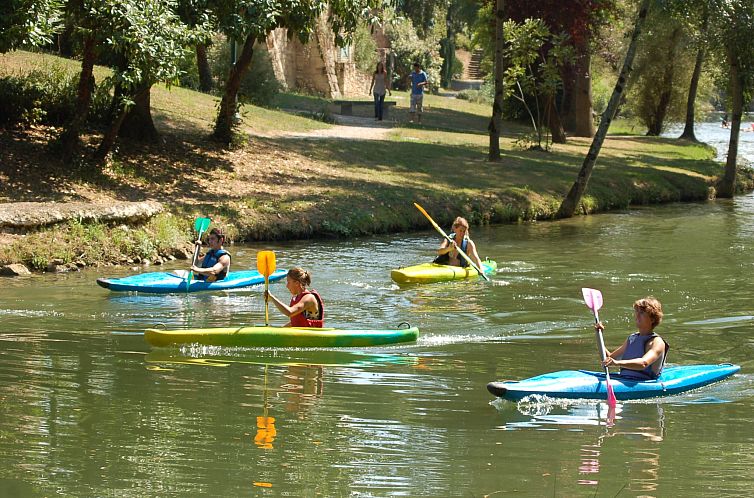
[
  {"x": 593, "y": 300},
  {"x": 200, "y": 225},
  {"x": 266, "y": 266}
]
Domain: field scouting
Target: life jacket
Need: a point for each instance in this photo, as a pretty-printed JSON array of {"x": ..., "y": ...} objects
[
  {"x": 444, "y": 259},
  {"x": 211, "y": 259},
  {"x": 637, "y": 346},
  {"x": 304, "y": 319}
]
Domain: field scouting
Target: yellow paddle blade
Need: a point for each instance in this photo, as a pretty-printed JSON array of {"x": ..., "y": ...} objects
[{"x": 266, "y": 262}]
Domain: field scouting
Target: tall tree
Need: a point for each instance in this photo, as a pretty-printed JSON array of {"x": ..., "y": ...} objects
[
  {"x": 734, "y": 28},
  {"x": 573, "y": 198},
  {"x": 148, "y": 41},
  {"x": 250, "y": 21},
  {"x": 497, "y": 103}
]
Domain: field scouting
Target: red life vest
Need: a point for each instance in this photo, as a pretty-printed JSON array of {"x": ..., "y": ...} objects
[{"x": 302, "y": 319}]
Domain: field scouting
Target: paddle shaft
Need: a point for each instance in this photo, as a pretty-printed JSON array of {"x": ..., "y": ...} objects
[
  {"x": 601, "y": 344},
  {"x": 450, "y": 240},
  {"x": 266, "y": 306}
]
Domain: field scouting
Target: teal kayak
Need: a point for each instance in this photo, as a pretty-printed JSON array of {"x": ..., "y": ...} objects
[
  {"x": 280, "y": 337},
  {"x": 582, "y": 384},
  {"x": 165, "y": 282}
]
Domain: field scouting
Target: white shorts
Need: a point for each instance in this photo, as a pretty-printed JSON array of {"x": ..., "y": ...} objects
[{"x": 416, "y": 102}]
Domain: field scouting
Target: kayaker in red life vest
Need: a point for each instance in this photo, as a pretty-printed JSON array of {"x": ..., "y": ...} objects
[
  {"x": 215, "y": 264},
  {"x": 305, "y": 309},
  {"x": 447, "y": 254},
  {"x": 643, "y": 354}
]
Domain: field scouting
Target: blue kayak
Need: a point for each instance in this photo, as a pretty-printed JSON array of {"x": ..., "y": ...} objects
[
  {"x": 165, "y": 282},
  {"x": 582, "y": 384}
]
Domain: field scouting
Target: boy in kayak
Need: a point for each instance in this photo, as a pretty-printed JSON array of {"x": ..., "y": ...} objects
[
  {"x": 643, "y": 354},
  {"x": 215, "y": 265},
  {"x": 305, "y": 309},
  {"x": 448, "y": 252}
]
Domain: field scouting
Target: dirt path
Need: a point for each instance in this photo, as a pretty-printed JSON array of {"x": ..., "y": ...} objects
[{"x": 349, "y": 128}]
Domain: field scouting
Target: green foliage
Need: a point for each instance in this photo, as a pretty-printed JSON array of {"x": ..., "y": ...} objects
[
  {"x": 365, "y": 48},
  {"x": 28, "y": 22},
  {"x": 409, "y": 48},
  {"x": 46, "y": 95}
]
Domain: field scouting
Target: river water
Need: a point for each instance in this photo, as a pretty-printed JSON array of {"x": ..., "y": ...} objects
[{"x": 89, "y": 409}]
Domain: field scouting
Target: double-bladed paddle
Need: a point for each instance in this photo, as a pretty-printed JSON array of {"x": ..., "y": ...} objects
[
  {"x": 450, "y": 239},
  {"x": 593, "y": 300},
  {"x": 266, "y": 266},
  {"x": 200, "y": 225}
]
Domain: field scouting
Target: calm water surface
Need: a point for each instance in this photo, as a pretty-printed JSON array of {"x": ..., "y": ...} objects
[{"x": 89, "y": 409}]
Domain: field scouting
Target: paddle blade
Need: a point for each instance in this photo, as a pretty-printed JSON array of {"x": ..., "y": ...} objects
[
  {"x": 201, "y": 224},
  {"x": 421, "y": 209},
  {"x": 592, "y": 298},
  {"x": 266, "y": 262},
  {"x": 611, "y": 400}
]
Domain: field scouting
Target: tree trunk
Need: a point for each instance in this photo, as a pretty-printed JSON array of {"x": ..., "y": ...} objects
[
  {"x": 108, "y": 140},
  {"x": 573, "y": 199},
  {"x": 727, "y": 186},
  {"x": 205, "y": 71},
  {"x": 657, "y": 121},
  {"x": 69, "y": 139},
  {"x": 688, "y": 130},
  {"x": 553, "y": 120},
  {"x": 224, "y": 124},
  {"x": 497, "y": 104},
  {"x": 448, "y": 48},
  {"x": 578, "y": 112},
  {"x": 138, "y": 123}
]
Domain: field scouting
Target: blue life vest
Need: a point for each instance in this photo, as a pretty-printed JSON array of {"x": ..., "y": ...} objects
[
  {"x": 211, "y": 259},
  {"x": 444, "y": 259},
  {"x": 637, "y": 346}
]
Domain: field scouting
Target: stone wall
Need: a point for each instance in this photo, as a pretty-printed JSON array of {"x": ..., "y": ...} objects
[{"x": 319, "y": 67}]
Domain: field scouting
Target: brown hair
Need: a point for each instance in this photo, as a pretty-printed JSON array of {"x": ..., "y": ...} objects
[
  {"x": 218, "y": 232},
  {"x": 652, "y": 307},
  {"x": 301, "y": 276},
  {"x": 377, "y": 69},
  {"x": 461, "y": 222}
]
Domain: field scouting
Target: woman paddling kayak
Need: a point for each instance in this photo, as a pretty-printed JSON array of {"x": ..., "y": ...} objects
[
  {"x": 642, "y": 355},
  {"x": 447, "y": 254},
  {"x": 305, "y": 309}
]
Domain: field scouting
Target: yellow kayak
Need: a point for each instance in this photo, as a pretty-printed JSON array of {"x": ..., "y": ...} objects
[
  {"x": 431, "y": 272},
  {"x": 293, "y": 337}
]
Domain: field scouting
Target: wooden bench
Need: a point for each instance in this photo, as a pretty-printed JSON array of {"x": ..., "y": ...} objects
[{"x": 346, "y": 106}]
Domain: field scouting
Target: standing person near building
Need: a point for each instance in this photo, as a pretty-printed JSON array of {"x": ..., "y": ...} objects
[
  {"x": 419, "y": 81},
  {"x": 379, "y": 84}
]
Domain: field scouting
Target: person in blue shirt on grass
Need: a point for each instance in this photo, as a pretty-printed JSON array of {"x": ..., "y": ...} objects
[{"x": 419, "y": 81}]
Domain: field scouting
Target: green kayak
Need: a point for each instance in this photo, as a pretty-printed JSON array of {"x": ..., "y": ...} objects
[
  {"x": 431, "y": 272},
  {"x": 280, "y": 337}
]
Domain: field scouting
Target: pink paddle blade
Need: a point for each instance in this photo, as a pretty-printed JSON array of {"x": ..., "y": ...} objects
[{"x": 592, "y": 298}]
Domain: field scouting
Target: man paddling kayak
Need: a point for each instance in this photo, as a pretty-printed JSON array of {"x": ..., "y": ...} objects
[
  {"x": 306, "y": 308},
  {"x": 215, "y": 265},
  {"x": 447, "y": 254},
  {"x": 643, "y": 354}
]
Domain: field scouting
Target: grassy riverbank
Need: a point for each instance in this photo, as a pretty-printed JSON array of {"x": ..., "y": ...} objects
[{"x": 291, "y": 176}]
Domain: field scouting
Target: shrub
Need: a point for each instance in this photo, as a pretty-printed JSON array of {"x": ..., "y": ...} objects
[
  {"x": 409, "y": 48},
  {"x": 364, "y": 49}
]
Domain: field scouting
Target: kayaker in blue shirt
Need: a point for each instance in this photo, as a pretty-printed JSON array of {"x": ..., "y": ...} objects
[
  {"x": 447, "y": 254},
  {"x": 419, "y": 81},
  {"x": 215, "y": 264},
  {"x": 643, "y": 354}
]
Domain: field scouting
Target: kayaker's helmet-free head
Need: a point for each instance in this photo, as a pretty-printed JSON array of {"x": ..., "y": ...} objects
[
  {"x": 218, "y": 234},
  {"x": 460, "y": 223},
  {"x": 650, "y": 307}
]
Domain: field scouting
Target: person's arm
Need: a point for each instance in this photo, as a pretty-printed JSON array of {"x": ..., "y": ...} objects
[
  {"x": 387, "y": 85},
  {"x": 473, "y": 255},
  {"x": 371, "y": 85},
  {"x": 218, "y": 267},
  {"x": 651, "y": 356},
  {"x": 618, "y": 353},
  {"x": 445, "y": 247},
  {"x": 294, "y": 310}
]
